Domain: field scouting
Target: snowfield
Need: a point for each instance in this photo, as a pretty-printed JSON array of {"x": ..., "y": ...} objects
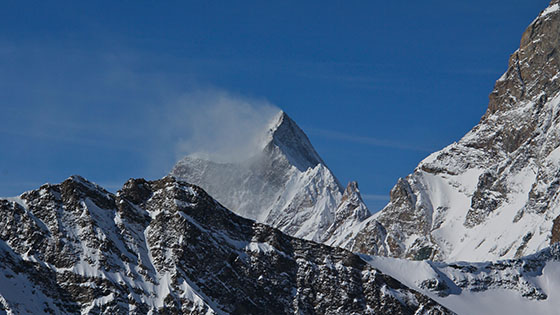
[{"x": 529, "y": 285}]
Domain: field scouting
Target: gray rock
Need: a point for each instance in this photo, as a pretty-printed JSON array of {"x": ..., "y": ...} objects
[{"x": 167, "y": 247}]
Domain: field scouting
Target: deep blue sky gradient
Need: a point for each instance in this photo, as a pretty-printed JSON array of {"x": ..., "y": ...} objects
[{"x": 377, "y": 85}]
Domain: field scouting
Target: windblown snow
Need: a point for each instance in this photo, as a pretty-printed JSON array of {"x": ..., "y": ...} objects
[{"x": 286, "y": 185}]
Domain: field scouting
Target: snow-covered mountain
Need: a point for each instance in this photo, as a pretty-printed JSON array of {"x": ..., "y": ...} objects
[
  {"x": 166, "y": 247},
  {"x": 286, "y": 185},
  {"x": 495, "y": 193},
  {"x": 527, "y": 285}
]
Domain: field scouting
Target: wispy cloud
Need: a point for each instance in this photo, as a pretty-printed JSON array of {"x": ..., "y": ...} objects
[
  {"x": 108, "y": 102},
  {"x": 370, "y": 141}
]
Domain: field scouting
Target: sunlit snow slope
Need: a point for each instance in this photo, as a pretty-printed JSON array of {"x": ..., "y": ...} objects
[
  {"x": 495, "y": 193},
  {"x": 528, "y": 285}
]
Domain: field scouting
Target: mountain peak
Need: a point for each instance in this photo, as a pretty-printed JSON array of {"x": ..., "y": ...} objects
[
  {"x": 79, "y": 184},
  {"x": 532, "y": 68},
  {"x": 352, "y": 200},
  {"x": 293, "y": 143},
  {"x": 493, "y": 194},
  {"x": 286, "y": 185}
]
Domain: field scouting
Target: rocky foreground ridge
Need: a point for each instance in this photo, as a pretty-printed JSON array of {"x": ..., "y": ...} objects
[{"x": 166, "y": 247}]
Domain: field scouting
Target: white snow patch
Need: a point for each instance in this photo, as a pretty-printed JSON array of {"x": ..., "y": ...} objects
[
  {"x": 551, "y": 9},
  {"x": 466, "y": 302}
]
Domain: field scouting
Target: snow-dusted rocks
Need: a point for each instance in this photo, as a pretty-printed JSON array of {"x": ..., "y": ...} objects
[
  {"x": 349, "y": 214},
  {"x": 495, "y": 193},
  {"x": 166, "y": 247},
  {"x": 527, "y": 285},
  {"x": 285, "y": 185}
]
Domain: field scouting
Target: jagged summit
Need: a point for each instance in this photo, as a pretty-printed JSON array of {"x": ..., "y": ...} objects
[
  {"x": 287, "y": 185},
  {"x": 286, "y": 135},
  {"x": 350, "y": 213},
  {"x": 77, "y": 179},
  {"x": 352, "y": 200},
  {"x": 167, "y": 247}
]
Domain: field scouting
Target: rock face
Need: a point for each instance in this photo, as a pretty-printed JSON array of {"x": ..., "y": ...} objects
[
  {"x": 166, "y": 247},
  {"x": 495, "y": 193},
  {"x": 286, "y": 185}
]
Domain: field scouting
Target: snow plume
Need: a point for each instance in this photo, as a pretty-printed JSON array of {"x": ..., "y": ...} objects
[{"x": 219, "y": 126}]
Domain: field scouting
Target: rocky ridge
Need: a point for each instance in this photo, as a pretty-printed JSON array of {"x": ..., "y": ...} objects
[{"x": 166, "y": 247}]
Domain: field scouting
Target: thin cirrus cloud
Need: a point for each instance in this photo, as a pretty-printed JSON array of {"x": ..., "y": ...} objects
[{"x": 370, "y": 141}]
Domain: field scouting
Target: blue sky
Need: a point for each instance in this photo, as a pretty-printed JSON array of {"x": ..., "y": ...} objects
[{"x": 101, "y": 88}]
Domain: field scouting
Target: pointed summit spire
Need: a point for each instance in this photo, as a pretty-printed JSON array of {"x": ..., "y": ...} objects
[{"x": 293, "y": 143}]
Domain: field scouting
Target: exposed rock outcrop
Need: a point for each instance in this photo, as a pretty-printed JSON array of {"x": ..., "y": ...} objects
[
  {"x": 495, "y": 193},
  {"x": 166, "y": 247}
]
